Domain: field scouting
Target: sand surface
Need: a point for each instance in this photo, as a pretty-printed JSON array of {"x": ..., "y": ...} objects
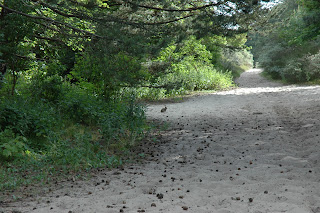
[{"x": 254, "y": 149}]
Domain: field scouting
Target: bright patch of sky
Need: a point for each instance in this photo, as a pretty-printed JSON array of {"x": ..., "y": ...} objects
[{"x": 269, "y": 5}]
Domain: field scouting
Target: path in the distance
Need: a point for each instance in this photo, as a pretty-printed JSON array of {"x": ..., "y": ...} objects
[{"x": 253, "y": 149}]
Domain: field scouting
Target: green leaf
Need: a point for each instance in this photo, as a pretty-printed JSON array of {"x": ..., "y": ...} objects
[{"x": 7, "y": 153}]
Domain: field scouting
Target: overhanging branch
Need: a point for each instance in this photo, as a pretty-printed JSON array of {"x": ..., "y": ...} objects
[
  {"x": 176, "y": 10},
  {"x": 121, "y": 21},
  {"x": 52, "y": 21}
]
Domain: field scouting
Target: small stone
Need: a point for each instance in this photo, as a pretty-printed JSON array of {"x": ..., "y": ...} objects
[
  {"x": 153, "y": 205},
  {"x": 160, "y": 196},
  {"x": 266, "y": 192},
  {"x": 185, "y": 208},
  {"x": 250, "y": 200}
]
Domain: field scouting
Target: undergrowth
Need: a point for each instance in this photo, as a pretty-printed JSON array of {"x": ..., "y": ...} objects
[{"x": 42, "y": 140}]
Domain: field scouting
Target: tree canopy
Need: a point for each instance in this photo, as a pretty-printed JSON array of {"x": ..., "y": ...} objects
[
  {"x": 287, "y": 43},
  {"x": 137, "y": 27}
]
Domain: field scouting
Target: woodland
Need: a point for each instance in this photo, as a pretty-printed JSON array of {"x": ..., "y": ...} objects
[{"x": 74, "y": 74}]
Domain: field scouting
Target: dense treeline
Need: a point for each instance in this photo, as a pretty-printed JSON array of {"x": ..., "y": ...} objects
[
  {"x": 287, "y": 43},
  {"x": 72, "y": 73}
]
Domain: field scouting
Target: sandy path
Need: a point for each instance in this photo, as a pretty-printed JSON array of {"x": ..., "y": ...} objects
[{"x": 254, "y": 149}]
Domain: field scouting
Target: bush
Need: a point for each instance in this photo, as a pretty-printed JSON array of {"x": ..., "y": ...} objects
[
  {"x": 146, "y": 93},
  {"x": 80, "y": 106},
  {"x": 107, "y": 73},
  {"x": 187, "y": 68},
  {"x": 124, "y": 120},
  {"x": 273, "y": 58},
  {"x": 294, "y": 72},
  {"x": 49, "y": 88},
  {"x": 27, "y": 118},
  {"x": 191, "y": 75},
  {"x": 11, "y": 146},
  {"x": 313, "y": 66},
  {"x": 77, "y": 132}
]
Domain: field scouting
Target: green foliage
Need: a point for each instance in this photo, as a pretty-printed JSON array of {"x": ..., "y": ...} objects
[
  {"x": 311, "y": 19},
  {"x": 236, "y": 61},
  {"x": 124, "y": 122},
  {"x": 49, "y": 88},
  {"x": 286, "y": 48},
  {"x": 190, "y": 75},
  {"x": 293, "y": 72},
  {"x": 107, "y": 73},
  {"x": 11, "y": 146},
  {"x": 82, "y": 152},
  {"x": 27, "y": 118},
  {"x": 313, "y": 65},
  {"x": 148, "y": 93},
  {"x": 229, "y": 54},
  {"x": 75, "y": 132},
  {"x": 79, "y": 106},
  {"x": 194, "y": 64},
  {"x": 190, "y": 69}
]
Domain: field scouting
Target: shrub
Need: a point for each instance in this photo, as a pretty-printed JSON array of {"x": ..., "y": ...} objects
[
  {"x": 80, "y": 106},
  {"x": 294, "y": 72},
  {"x": 191, "y": 75},
  {"x": 313, "y": 66},
  {"x": 123, "y": 120},
  {"x": 188, "y": 67},
  {"x": 107, "y": 73},
  {"x": 34, "y": 121},
  {"x": 11, "y": 146},
  {"x": 49, "y": 88}
]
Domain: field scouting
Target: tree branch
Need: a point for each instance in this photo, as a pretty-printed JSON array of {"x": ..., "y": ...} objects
[
  {"x": 57, "y": 11},
  {"x": 52, "y": 21},
  {"x": 176, "y": 10},
  {"x": 48, "y": 39},
  {"x": 110, "y": 20},
  {"x": 164, "y": 22}
]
